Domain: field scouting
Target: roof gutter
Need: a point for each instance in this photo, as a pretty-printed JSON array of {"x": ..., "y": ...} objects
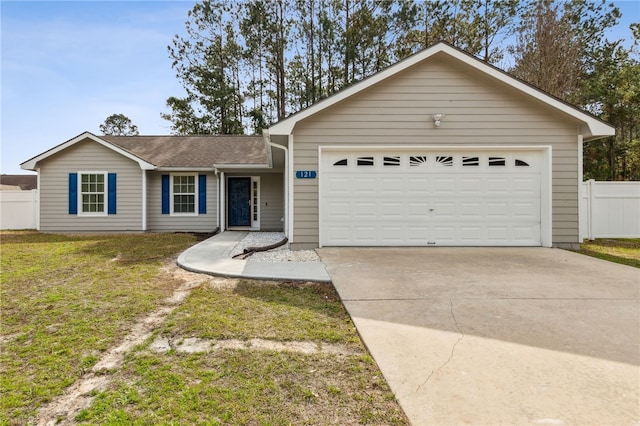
[
  {"x": 241, "y": 166},
  {"x": 185, "y": 169}
]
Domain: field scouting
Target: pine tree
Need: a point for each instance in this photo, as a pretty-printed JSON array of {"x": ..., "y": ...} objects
[{"x": 207, "y": 63}]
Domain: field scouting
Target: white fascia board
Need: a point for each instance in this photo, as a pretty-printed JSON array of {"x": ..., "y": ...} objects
[
  {"x": 595, "y": 128},
  {"x": 31, "y": 164}
]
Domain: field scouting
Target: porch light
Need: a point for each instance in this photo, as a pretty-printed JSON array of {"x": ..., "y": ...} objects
[{"x": 437, "y": 118}]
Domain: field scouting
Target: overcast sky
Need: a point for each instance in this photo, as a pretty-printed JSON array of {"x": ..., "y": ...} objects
[{"x": 66, "y": 66}]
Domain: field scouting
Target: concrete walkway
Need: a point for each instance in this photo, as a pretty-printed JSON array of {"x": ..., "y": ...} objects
[
  {"x": 491, "y": 336},
  {"x": 213, "y": 256}
]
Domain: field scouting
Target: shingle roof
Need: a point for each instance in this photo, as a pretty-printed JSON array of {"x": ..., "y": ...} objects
[
  {"x": 193, "y": 151},
  {"x": 23, "y": 182}
]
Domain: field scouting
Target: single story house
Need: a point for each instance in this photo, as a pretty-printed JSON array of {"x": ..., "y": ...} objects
[{"x": 438, "y": 149}]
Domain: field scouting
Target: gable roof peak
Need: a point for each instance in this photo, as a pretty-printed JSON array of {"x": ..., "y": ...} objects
[
  {"x": 32, "y": 163},
  {"x": 593, "y": 127},
  {"x": 151, "y": 153}
]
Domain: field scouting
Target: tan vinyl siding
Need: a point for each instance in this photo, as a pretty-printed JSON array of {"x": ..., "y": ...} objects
[
  {"x": 271, "y": 202},
  {"x": 175, "y": 223},
  {"x": 89, "y": 156},
  {"x": 479, "y": 111}
]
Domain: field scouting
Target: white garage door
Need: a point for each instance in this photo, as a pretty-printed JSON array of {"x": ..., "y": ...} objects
[{"x": 421, "y": 198}]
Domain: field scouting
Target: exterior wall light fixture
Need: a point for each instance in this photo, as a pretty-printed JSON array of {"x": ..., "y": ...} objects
[{"x": 437, "y": 118}]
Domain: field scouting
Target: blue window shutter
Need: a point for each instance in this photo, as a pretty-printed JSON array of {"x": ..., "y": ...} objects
[
  {"x": 111, "y": 189},
  {"x": 73, "y": 193},
  {"x": 165, "y": 194},
  {"x": 202, "y": 194}
]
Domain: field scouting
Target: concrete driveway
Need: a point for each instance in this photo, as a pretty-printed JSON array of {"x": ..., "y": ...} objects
[{"x": 497, "y": 335}]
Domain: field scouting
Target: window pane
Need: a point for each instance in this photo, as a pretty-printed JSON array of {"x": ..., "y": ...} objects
[
  {"x": 496, "y": 161},
  {"x": 184, "y": 185},
  {"x": 417, "y": 160},
  {"x": 184, "y": 204},
  {"x": 93, "y": 203},
  {"x": 391, "y": 161},
  {"x": 443, "y": 160},
  {"x": 365, "y": 161},
  {"x": 470, "y": 161}
]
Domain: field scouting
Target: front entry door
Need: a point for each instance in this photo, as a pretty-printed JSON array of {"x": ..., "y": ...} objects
[{"x": 239, "y": 211}]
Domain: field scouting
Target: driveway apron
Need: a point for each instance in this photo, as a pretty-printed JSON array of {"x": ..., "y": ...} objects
[{"x": 497, "y": 335}]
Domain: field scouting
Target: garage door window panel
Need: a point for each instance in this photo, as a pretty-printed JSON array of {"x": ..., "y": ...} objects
[
  {"x": 391, "y": 161},
  {"x": 444, "y": 161},
  {"x": 470, "y": 161},
  {"x": 365, "y": 161},
  {"x": 418, "y": 161},
  {"x": 497, "y": 161}
]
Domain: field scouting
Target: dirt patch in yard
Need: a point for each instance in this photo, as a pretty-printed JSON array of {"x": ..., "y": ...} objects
[
  {"x": 195, "y": 345},
  {"x": 63, "y": 409}
]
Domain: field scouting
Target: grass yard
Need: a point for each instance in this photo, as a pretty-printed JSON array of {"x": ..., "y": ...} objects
[
  {"x": 245, "y": 386},
  {"x": 66, "y": 299},
  {"x": 625, "y": 251}
]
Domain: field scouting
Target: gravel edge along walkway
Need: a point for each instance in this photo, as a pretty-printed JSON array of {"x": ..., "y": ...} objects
[{"x": 280, "y": 254}]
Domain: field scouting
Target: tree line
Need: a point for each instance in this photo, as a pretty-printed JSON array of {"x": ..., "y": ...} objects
[{"x": 247, "y": 64}]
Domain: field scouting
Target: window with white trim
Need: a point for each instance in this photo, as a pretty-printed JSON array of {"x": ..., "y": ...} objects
[
  {"x": 93, "y": 194},
  {"x": 184, "y": 194}
]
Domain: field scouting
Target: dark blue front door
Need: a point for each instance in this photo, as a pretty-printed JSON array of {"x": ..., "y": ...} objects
[{"x": 239, "y": 201}]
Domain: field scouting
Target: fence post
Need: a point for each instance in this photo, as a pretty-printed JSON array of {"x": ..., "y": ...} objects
[
  {"x": 35, "y": 202},
  {"x": 590, "y": 195}
]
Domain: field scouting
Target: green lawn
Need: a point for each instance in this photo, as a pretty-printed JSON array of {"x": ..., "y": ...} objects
[
  {"x": 625, "y": 251},
  {"x": 66, "y": 299}
]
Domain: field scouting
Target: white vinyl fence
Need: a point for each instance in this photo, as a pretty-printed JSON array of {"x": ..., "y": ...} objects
[
  {"x": 609, "y": 210},
  {"x": 19, "y": 209}
]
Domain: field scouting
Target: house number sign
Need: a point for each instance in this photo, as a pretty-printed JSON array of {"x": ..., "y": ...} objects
[{"x": 306, "y": 174}]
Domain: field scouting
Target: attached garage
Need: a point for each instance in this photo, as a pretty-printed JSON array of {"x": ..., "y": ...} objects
[
  {"x": 440, "y": 149},
  {"x": 421, "y": 196}
]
